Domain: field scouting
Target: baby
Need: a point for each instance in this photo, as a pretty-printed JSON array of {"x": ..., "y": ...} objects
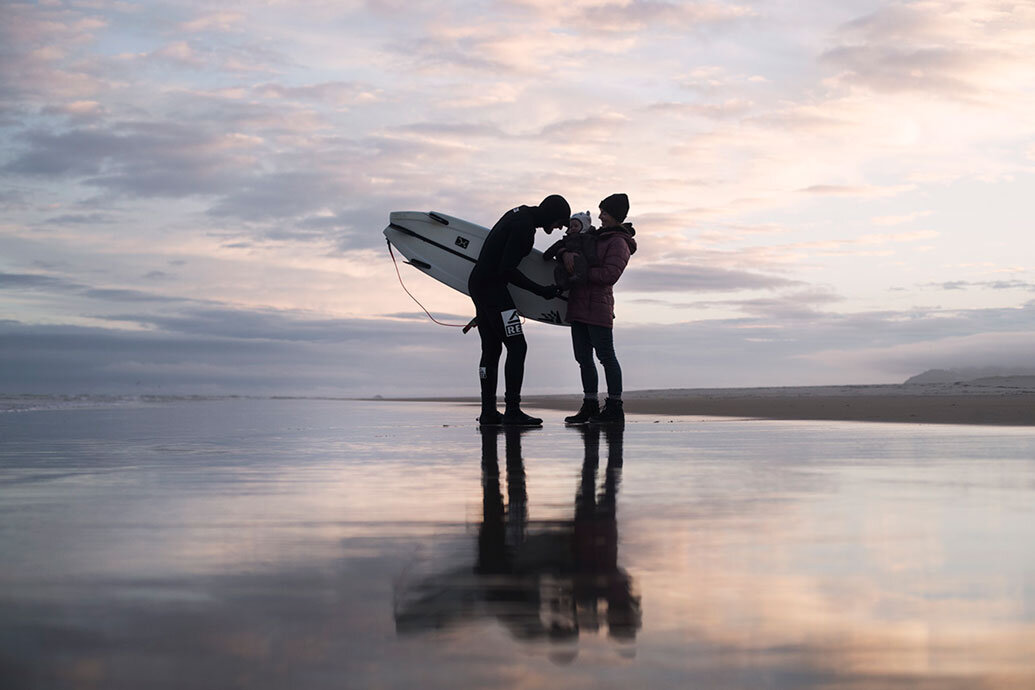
[
  {"x": 580, "y": 222},
  {"x": 575, "y": 252}
]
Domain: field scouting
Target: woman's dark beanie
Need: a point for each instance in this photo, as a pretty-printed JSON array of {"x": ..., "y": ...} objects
[
  {"x": 617, "y": 206},
  {"x": 554, "y": 208}
]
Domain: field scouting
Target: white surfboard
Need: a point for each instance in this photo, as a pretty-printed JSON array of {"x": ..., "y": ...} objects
[{"x": 446, "y": 249}]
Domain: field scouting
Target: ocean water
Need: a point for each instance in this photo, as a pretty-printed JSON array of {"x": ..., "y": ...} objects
[{"x": 251, "y": 543}]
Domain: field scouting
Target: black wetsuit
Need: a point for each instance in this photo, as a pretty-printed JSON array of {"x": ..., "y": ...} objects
[{"x": 499, "y": 325}]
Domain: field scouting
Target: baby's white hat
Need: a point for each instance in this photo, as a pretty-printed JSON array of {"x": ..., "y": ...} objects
[{"x": 585, "y": 219}]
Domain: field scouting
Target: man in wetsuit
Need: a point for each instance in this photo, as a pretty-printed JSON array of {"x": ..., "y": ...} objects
[{"x": 499, "y": 324}]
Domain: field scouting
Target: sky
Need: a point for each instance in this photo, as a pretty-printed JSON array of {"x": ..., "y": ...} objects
[{"x": 193, "y": 198}]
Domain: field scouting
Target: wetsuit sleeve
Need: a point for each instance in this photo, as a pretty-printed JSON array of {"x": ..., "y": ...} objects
[
  {"x": 518, "y": 246},
  {"x": 554, "y": 250},
  {"x": 516, "y": 277},
  {"x": 613, "y": 262}
]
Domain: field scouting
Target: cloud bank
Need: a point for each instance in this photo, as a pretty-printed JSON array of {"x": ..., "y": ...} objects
[{"x": 808, "y": 183}]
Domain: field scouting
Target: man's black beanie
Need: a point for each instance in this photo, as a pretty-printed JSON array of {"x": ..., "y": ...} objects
[
  {"x": 554, "y": 208},
  {"x": 617, "y": 206}
]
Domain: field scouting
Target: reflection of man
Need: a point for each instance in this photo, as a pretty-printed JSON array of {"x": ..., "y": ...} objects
[
  {"x": 503, "y": 527},
  {"x": 541, "y": 580},
  {"x": 499, "y": 324}
]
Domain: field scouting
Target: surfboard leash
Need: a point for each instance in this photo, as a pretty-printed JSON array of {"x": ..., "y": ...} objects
[{"x": 465, "y": 326}]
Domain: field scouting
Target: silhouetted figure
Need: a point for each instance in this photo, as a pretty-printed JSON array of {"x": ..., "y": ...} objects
[
  {"x": 600, "y": 256},
  {"x": 597, "y": 575},
  {"x": 499, "y": 324},
  {"x": 492, "y": 552}
]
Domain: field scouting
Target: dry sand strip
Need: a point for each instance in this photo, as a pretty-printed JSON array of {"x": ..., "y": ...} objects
[
  {"x": 1014, "y": 410},
  {"x": 1005, "y": 405}
]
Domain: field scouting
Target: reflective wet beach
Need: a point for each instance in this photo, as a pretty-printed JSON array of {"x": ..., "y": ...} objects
[{"x": 276, "y": 543}]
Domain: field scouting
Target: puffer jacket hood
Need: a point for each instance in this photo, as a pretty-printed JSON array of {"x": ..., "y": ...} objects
[{"x": 626, "y": 231}]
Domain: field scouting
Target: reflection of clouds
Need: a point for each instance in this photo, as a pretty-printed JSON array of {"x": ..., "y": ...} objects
[
  {"x": 866, "y": 573},
  {"x": 850, "y": 628}
]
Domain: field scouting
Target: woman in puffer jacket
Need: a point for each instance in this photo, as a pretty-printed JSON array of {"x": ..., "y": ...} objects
[{"x": 591, "y": 312}]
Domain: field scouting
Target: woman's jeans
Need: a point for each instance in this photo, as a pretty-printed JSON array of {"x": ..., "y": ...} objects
[{"x": 584, "y": 340}]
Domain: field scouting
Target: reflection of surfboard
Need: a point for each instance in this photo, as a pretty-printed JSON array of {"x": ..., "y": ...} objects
[{"x": 446, "y": 248}]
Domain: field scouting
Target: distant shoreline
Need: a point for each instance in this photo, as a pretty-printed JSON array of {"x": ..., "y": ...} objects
[{"x": 1003, "y": 404}]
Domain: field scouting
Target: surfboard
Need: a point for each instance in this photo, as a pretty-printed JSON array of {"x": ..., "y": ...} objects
[{"x": 446, "y": 248}]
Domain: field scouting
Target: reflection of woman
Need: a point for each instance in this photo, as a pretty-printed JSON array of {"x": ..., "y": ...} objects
[
  {"x": 598, "y": 577},
  {"x": 591, "y": 312}
]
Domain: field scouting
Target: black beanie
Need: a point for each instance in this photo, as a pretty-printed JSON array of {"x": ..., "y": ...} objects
[
  {"x": 554, "y": 208},
  {"x": 617, "y": 206}
]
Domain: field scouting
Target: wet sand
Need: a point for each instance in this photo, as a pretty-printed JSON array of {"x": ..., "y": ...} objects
[
  {"x": 256, "y": 543},
  {"x": 1002, "y": 404}
]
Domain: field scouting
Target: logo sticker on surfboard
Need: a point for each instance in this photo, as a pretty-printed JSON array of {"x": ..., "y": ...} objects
[
  {"x": 511, "y": 322},
  {"x": 462, "y": 242}
]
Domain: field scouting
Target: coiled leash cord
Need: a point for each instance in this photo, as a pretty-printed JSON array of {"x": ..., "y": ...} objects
[{"x": 395, "y": 263}]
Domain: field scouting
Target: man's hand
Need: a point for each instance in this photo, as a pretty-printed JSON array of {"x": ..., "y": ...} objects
[{"x": 550, "y": 291}]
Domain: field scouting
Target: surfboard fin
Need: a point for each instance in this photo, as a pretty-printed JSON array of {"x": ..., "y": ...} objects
[{"x": 418, "y": 263}]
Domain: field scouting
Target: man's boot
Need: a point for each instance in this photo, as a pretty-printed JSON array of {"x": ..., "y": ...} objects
[
  {"x": 490, "y": 416},
  {"x": 513, "y": 416}
]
